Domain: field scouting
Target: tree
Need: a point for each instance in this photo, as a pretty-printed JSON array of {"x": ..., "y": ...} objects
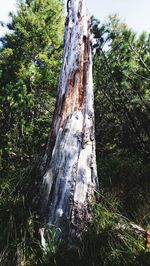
[
  {"x": 30, "y": 60},
  {"x": 121, "y": 76},
  {"x": 70, "y": 178},
  {"x": 26, "y": 98}
]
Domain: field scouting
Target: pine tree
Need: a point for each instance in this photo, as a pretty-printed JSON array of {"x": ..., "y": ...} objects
[{"x": 30, "y": 59}]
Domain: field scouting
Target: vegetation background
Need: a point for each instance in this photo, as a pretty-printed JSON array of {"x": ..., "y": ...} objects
[{"x": 30, "y": 62}]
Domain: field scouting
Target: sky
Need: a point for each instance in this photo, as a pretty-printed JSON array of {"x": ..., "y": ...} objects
[{"x": 136, "y": 13}]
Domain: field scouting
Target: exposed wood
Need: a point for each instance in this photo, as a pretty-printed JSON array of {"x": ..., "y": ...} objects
[
  {"x": 137, "y": 229},
  {"x": 70, "y": 177}
]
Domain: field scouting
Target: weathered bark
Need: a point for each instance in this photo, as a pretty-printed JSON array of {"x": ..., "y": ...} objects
[{"x": 70, "y": 177}]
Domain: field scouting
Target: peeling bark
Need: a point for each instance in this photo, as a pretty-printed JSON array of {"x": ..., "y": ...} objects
[{"x": 70, "y": 178}]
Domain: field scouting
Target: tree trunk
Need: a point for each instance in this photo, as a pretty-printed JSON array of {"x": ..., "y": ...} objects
[{"x": 70, "y": 178}]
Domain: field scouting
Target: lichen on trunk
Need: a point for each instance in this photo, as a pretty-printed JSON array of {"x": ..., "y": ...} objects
[{"x": 70, "y": 176}]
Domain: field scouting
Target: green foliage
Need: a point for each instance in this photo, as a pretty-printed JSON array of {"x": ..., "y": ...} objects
[
  {"x": 53, "y": 239},
  {"x": 121, "y": 76},
  {"x": 121, "y": 71},
  {"x": 30, "y": 60},
  {"x": 109, "y": 241},
  {"x": 113, "y": 242},
  {"x": 19, "y": 219}
]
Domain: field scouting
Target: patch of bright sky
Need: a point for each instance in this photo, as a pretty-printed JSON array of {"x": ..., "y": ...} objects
[
  {"x": 136, "y": 13},
  {"x": 5, "y": 7}
]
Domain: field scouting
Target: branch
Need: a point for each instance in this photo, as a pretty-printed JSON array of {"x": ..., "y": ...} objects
[{"x": 137, "y": 229}]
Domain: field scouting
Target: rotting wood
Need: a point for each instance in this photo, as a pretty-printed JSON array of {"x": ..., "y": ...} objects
[
  {"x": 70, "y": 175},
  {"x": 137, "y": 229}
]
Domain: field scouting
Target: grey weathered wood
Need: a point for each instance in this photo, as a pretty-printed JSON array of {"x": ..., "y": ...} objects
[
  {"x": 137, "y": 229},
  {"x": 70, "y": 177}
]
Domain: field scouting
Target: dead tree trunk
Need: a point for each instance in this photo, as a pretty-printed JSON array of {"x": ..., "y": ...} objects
[{"x": 70, "y": 177}]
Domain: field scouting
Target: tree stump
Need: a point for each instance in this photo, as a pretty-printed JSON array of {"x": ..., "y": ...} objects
[{"x": 70, "y": 175}]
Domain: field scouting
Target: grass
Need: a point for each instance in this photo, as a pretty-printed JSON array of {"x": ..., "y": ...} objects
[{"x": 123, "y": 197}]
